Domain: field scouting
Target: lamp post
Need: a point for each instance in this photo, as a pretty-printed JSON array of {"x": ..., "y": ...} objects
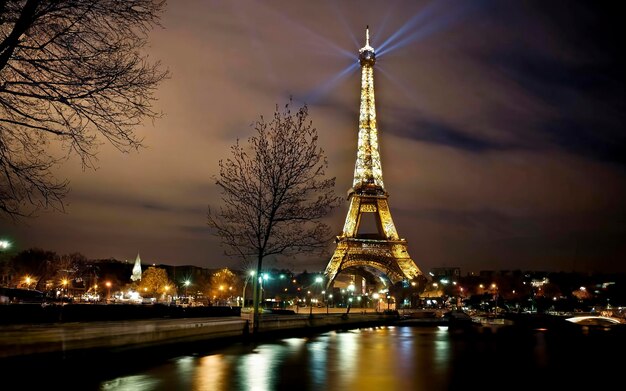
[
  {"x": 187, "y": 283},
  {"x": 351, "y": 289},
  {"x": 64, "y": 283},
  {"x": 108, "y": 285},
  {"x": 4, "y": 246},
  {"x": 264, "y": 277},
  {"x": 495, "y": 295},
  {"x": 318, "y": 280}
]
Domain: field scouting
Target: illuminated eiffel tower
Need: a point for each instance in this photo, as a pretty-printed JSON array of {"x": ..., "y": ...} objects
[{"x": 384, "y": 251}]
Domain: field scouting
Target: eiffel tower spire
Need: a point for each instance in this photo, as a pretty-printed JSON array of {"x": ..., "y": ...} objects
[
  {"x": 384, "y": 250},
  {"x": 368, "y": 173}
]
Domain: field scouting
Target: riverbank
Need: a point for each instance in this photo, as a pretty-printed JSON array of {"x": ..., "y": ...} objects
[
  {"x": 173, "y": 331},
  {"x": 67, "y": 339}
]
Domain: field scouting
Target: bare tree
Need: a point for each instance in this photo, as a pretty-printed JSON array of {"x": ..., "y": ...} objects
[
  {"x": 72, "y": 73},
  {"x": 274, "y": 192}
]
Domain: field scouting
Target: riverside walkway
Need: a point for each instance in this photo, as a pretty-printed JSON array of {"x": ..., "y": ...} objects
[{"x": 23, "y": 340}]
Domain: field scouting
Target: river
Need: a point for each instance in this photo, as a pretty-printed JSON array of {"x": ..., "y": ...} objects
[{"x": 383, "y": 358}]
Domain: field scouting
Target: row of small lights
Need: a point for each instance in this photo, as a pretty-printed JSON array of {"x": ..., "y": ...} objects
[{"x": 5, "y": 244}]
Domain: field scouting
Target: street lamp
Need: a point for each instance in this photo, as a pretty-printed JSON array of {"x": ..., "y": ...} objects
[
  {"x": 187, "y": 283},
  {"x": 264, "y": 277},
  {"x": 108, "y": 285},
  {"x": 351, "y": 289},
  {"x": 64, "y": 283},
  {"x": 376, "y": 297},
  {"x": 318, "y": 280},
  {"x": 4, "y": 244},
  {"x": 495, "y": 295}
]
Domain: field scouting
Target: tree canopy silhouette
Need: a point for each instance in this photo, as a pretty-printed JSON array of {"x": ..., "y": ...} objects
[{"x": 71, "y": 73}]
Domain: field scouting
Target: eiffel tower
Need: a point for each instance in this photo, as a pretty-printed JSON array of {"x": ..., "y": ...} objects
[{"x": 384, "y": 251}]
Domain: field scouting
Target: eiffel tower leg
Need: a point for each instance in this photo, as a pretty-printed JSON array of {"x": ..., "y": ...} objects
[{"x": 334, "y": 265}]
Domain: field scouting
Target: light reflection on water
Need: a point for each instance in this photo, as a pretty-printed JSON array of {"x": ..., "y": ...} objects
[
  {"x": 382, "y": 358},
  {"x": 134, "y": 382},
  {"x": 391, "y": 358},
  {"x": 210, "y": 373}
]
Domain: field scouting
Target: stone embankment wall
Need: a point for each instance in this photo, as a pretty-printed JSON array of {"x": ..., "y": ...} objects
[{"x": 20, "y": 340}]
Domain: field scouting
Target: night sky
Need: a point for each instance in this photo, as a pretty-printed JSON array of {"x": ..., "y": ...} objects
[{"x": 501, "y": 130}]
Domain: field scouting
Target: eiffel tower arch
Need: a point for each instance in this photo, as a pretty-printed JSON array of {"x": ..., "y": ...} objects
[{"x": 383, "y": 250}]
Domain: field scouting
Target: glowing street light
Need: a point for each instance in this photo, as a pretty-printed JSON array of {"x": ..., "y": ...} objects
[
  {"x": 262, "y": 277},
  {"x": 64, "y": 283},
  {"x": 108, "y": 285},
  {"x": 318, "y": 280},
  {"x": 495, "y": 295},
  {"x": 187, "y": 283},
  {"x": 376, "y": 296}
]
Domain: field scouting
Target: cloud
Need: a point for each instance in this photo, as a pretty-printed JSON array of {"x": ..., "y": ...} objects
[
  {"x": 416, "y": 127},
  {"x": 501, "y": 131}
]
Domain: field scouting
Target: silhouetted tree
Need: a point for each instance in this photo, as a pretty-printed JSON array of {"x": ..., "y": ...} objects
[
  {"x": 274, "y": 192},
  {"x": 71, "y": 73},
  {"x": 35, "y": 263}
]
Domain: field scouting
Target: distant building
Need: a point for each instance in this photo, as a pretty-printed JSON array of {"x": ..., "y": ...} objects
[
  {"x": 446, "y": 272},
  {"x": 136, "y": 276}
]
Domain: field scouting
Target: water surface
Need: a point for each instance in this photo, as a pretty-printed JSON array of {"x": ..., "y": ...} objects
[{"x": 383, "y": 358}]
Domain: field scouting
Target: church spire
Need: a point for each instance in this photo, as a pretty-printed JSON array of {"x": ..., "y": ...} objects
[{"x": 136, "y": 276}]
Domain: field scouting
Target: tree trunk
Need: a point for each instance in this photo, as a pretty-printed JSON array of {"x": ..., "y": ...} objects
[{"x": 256, "y": 297}]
